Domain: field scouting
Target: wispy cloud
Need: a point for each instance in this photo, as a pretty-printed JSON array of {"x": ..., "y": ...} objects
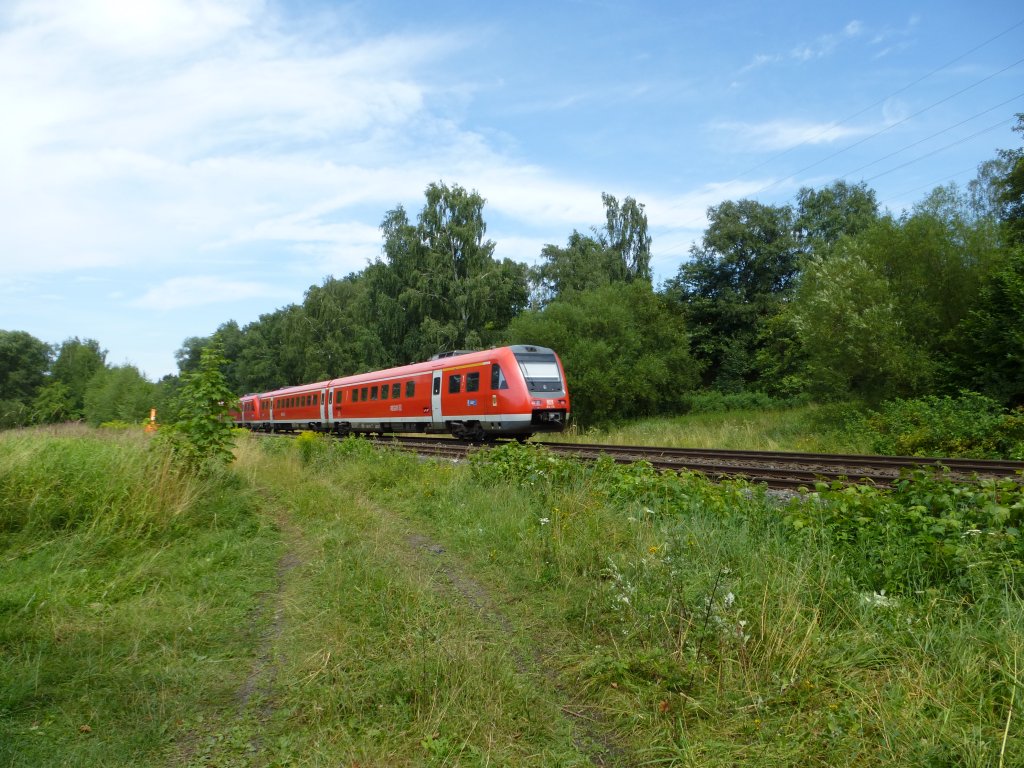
[
  {"x": 889, "y": 40},
  {"x": 119, "y": 134},
  {"x": 181, "y": 292},
  {"x": 821, "y": 46},
  {"x": 777, "y": 135}
]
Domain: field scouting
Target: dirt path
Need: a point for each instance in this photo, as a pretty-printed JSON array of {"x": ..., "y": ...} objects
[
  {"x": 590, "y": 732},
  {"x": 254, "y": 700},
  {"x": 248, "y": 733}
]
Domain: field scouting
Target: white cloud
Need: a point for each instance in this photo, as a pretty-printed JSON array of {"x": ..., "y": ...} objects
[
  {"x": 822, "y": 46},
  {"x": 181, "y": 292},
  {"x": 777, "y": 135},
  {"x": 117, "y": 135}
]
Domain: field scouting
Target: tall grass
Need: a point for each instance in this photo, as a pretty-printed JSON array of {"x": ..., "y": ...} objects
[
  {"x": 124, "y": 592},
  {"x": 806, "y": 428},
  {"x": 700, "y": 624}
]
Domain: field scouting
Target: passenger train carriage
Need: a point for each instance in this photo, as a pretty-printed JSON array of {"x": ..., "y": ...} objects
[{"x": 510, "y": 391}]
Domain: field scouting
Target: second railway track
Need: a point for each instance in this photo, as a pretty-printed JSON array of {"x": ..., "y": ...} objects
[{"x": 781, "y": 470}]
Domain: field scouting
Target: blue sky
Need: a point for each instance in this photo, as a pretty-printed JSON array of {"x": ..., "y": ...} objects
[{"x": 168, "y": 165}]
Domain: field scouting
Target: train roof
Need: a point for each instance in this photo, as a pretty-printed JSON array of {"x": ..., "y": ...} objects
[{"x": 459, "y": 357}]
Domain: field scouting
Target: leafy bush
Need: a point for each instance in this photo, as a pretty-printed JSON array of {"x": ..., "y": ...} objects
[
  {"x": 312, "y": 447},
  {"x": 203, "y": 435},
  {"x": 714, "y": 401},
  {"x": 969, "y": 425}
]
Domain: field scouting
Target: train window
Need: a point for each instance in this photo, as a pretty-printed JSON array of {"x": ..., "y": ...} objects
[
  {"x": 316, "y": 399},
  {"x": 437, "y": 386},
  {"x": 498, "y": 380},
  {"x": 373, "y": 393},
  {"x": 364, "y": 394},
  {"x": 355, "y": 395},
  {"x": 473, "y": 381},
  {"x": 385, "y": 391},
  {"x": 455, "y": 383},
  {"x": 410, "y": 388},
  {"x": 396, "y": 391}
]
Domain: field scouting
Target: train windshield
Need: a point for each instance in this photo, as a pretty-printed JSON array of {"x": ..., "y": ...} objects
[{"x": 540, "y": 369}]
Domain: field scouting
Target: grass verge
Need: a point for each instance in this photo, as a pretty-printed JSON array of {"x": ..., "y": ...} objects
[{"x": 126, "y": 593}]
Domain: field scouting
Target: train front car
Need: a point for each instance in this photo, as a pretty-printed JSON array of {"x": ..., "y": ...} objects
[
  {"x": 506, "y": 392},
  {"x": 543, "y": 377},
  {"x": 528, "y": 383}
]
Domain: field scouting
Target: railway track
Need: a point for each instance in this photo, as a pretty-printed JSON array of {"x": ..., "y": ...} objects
[{"x": 778, "y": 470}]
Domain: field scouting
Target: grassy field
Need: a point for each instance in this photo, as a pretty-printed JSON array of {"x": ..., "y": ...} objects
[
  {"x": 333, "y": 604},
  {"x": 802, "y": 428}
]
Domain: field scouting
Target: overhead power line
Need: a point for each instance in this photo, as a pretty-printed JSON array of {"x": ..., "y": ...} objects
[
  {"x": 869, "y": 107},
  {"x": 929, "y": 138},
  {"x": 888, "y": 127},
  {"x": 696, "y": 221}
]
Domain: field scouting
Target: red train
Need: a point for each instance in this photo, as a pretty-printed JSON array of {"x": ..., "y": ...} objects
[{"x": 510, "y": 391}]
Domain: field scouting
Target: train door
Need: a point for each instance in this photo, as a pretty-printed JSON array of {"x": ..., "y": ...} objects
[
  {"x": 437, "y": 418},
  {"x": 324, "y": 410}
]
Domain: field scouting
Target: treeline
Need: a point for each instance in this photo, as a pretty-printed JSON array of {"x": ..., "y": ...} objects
[{"x": 826, "y": 298}]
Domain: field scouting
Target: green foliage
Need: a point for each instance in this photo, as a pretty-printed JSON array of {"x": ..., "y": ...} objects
[
  {"x": 76, "y": 364},
  {"x": 735, "y": 281},
  {"x": 119, "y": 394},
  {"x": 969, "y": 425},
  {"x": 879, "y": 314},
  {"x": 24, "y": 361},
  {"x": 618, "y": 253},
  {"x": 990, "y": 355},
  {"x": 714, "y": 401},
  {"x": 202, "y": 436},
  {"x": 625, "y": 352},
  {"x": 312, "y": 447},
  {"x": 452, "y": 291},
  {"x": 826, "y": 215},
  {"x": 1010, "y": 190},
  {"x": 54, "y": 403},
  {"x": 846, "y": 316},
  {"x": 926, "y": 534}
]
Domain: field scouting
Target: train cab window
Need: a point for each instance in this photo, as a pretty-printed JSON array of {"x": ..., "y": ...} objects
[
  {"x": 410, "y": 388},
  {"x": 473, "y": 381},
  {"x": 396, "y": 391},
  {"x": 385, "y": 391},
  {"x": 498, "y": 380},
  {"x": 364, "y": 394},
  {"x": 455, "y": 383},
  {"x": 373, "y": 393}
]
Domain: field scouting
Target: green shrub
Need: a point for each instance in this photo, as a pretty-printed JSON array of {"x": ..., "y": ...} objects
[
  {"x": 714, "y": 401},
  {"x": 969, "y": 425},
  {"x": 925, "y": 533}
]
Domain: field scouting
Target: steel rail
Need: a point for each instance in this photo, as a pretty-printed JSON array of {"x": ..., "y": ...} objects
[{"x": 776, "y": 469}]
